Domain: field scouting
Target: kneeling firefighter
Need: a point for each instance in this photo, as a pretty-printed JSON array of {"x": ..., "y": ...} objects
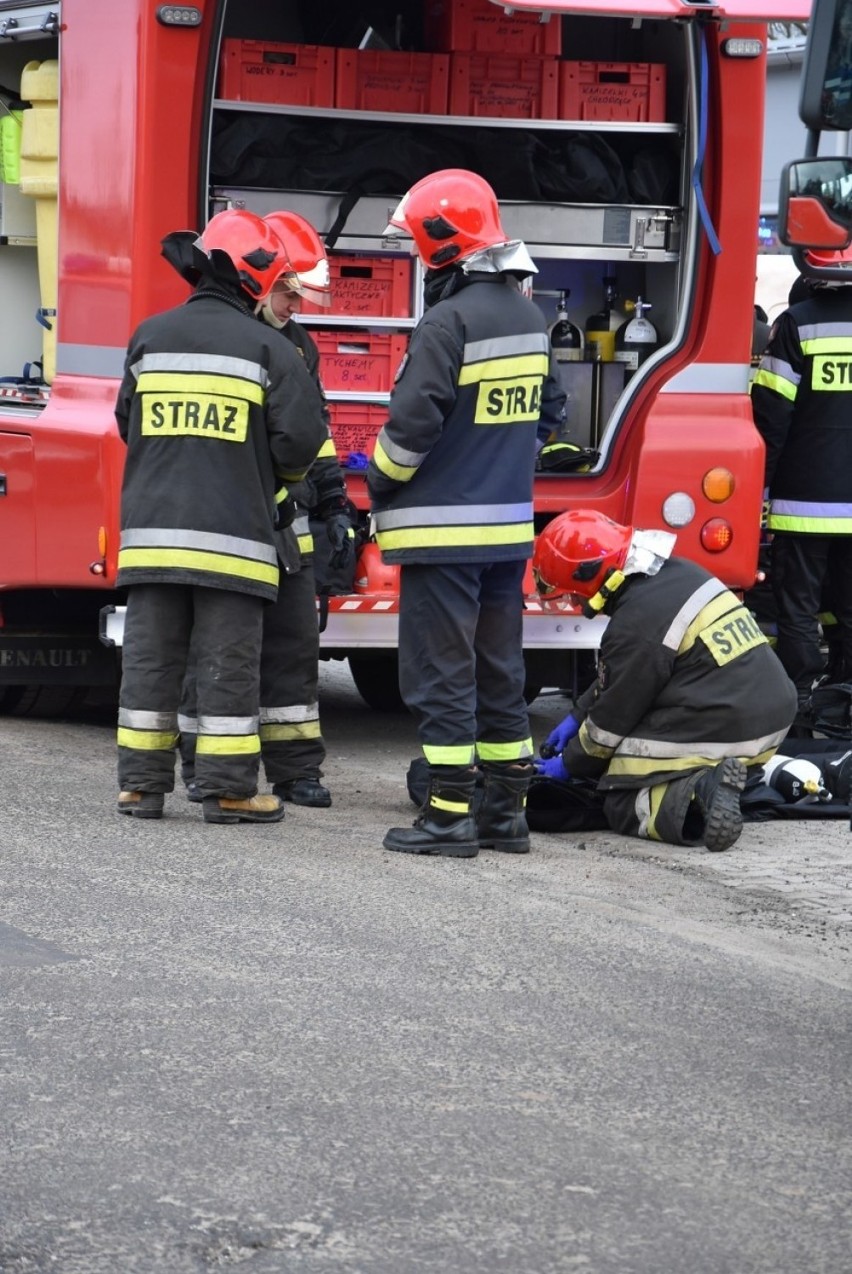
[{"x": 688, "y": 694}]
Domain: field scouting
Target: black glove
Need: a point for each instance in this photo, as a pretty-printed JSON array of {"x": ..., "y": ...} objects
[
  {"x": 341, "y": 537},
  {"x": 285, "y": 509}
]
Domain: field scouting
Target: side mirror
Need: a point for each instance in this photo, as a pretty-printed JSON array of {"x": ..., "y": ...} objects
[
  {"x": 815, "y": 203},
  {"x": 825, "y": 101}
]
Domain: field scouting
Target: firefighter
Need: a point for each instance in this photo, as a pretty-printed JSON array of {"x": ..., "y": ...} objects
[
  {"x": 216, "y": 413},
  {"x": 802, "y": 404},
  {"x": 292, "y": 747},
  {"x": 688, "y": 693},
  {"x": 451, "y": 485}
]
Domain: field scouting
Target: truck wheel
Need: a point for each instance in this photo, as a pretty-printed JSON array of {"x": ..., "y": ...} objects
[
  {"x": 41, "y": 701},
  {"x": 376, "y": 678}
]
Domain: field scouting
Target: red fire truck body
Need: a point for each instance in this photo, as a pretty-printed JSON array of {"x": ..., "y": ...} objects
[{"x": 138, "y": 103}]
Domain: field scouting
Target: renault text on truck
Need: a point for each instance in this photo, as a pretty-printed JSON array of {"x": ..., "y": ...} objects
[{"x": 623, "y": 141}]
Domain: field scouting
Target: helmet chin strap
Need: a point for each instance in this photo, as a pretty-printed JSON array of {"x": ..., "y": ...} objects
[
  {"x": 597, "y": 602},
  {"x": 265, "y": 311}
]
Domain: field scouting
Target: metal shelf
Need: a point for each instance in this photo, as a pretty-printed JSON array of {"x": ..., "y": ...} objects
[{"x": 468, "y": 121}]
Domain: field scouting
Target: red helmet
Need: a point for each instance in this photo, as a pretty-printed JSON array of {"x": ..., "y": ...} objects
[
  {"x": 450, "y": 215},
  {"x": 306, "y": 254},
  {"x": 576, "y": 552},
  {"x": 252, "y": 247}
]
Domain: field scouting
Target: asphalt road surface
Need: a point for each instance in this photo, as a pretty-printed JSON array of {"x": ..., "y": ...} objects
[{"x": 284, "y": 1049}]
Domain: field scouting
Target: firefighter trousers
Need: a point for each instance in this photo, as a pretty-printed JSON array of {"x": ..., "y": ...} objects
[
  {"x": 461, "y": 662},
  {"x": 224, "y": 629},
  {"x": 800, "y": 566},
  {"x": 291, "y": 742}
]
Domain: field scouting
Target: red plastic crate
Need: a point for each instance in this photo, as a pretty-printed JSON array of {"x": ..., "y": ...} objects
[
  {"x": 254, "y": 71},
  {"x": 634, "y": 91},
  {"x": 361, "y": 362},
  {"x": 504, "y": 85},
  {"x": 478, "y": 26},
  {"x": 368, "y": 286},
  {"x": 375, "y": 80},
  {"x": 355, "y": 427}
]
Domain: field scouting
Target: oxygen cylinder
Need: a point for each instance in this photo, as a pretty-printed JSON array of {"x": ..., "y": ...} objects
[
  {"x": 800, "y": 782},
  {"x": 637, "y": 338},
  {"x": 566, "y": 339}
]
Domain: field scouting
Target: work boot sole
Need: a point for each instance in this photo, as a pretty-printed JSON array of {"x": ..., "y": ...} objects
[
  {"x": 213, "y": 813},
  {"x": 724, "y": 819},
  {"x": 505, "y": 846},
  {"x": 445, "y": 848}
]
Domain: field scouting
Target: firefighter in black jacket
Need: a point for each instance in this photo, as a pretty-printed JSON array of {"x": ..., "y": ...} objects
[
  {"x": 802, "y": 403},
  {"x": 689, "y": 692},
  {"x": 451, "y": 484},
  {"x": 292, "y": 747},
  {"x": 216, "y": 412}
]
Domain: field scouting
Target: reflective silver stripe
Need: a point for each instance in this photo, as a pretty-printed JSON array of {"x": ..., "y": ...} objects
[
  {"x": 709, "y": 378},
  {"x": 603, "y": 738},
  {"x": 398, "y": 454},
  {"x": 821, "y": 331},
  {"x": 811, "y": 509},
  {"x": 134, "y": 719},
  {"x": 187, "y": 725},
  {"x": 90, "y": 360},
  {"x": 293, "y": 713},
  {"x": 660, "y": 749},
  {"x": 699, "y": 599},
  {"x": 180, "y": 538},
  {"x": 642, "y": 807},
  {"x": 782, "y": 369},
  {"x": 208, "y": 364},
  {"x": 506, "y": 347},
  {"x": 227, "y": 725},
  {"x": 301, "y": 525},
  {"x": 455, "y": 515}
]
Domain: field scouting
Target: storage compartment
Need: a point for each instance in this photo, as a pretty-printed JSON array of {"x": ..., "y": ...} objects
[
  {"x": 482, "y": 27},
  {"x": 498, "y": 84},
  {"x": 354, "y": 428},
  {"x": 298, "y": 74},
  {"x": 368, "y": 287},
  {"x": 409, "y": 83},
  {"x": 634, "y": 91},
  {"x": 359, "y": 362}
]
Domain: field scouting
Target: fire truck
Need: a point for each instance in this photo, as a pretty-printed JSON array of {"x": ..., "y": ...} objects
[{"x": 623, "y": 139}]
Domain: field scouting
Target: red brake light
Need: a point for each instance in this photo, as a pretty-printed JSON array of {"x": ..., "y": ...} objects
[{"x": 716, "y": 535}]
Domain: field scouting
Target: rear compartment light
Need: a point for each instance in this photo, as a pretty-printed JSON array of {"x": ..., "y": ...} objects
[
  {"x": 179, "y": 15},
  {"x": 678, "y": 509},
  {"x": 716, "y": 535},
  {"x": 737, "y": 48},
  {"x": 718, "y": 485}
]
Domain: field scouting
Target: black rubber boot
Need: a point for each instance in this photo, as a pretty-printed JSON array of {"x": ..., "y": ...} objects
[
  {"x": 446, "y": 824},
  {"x": 502, "y": 820},
  {"x": 306, "y": 790},
  {"x": 717, "y": 794}
]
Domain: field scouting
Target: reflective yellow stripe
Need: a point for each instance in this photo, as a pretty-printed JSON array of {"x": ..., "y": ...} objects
[
  {"x": 770, "y": 380},
  {"x": 460, "y": 754},
  {"x": 655, "y": 800},
  {"x": 449, "y": 536},
  {"x": 306, "y": 543},
  {"x": 147, "y": 740},
  {"x": 276, "y": 733},
  {"x": 813, "y": 526},
  {"x": 589, "y": 746},
  {"x": 383, "y": 462},
  {"x": 227, "y": 744},
  {"x": 504, "y": 368},
  {"x": 708, "y": 615},
  {"x": 197, "y": 560},
  {"x": 516, "y": 751},
  {"x": 450, "y": 807},
  {"x": 638, "y": 766},
  {"x": 190, "y": 383},
  {"x": 327, "y": 450},
  {"x": 828, "y": 345}
]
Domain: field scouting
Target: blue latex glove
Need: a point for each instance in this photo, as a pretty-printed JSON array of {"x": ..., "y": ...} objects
[
  {"x": 557, "y": 740},
  {"x": 552, "y": 768}
]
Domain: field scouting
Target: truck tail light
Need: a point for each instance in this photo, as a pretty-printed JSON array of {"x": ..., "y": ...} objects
[
  {"x": 716, "y": 535},
  {"x": 718, "y": 485}
]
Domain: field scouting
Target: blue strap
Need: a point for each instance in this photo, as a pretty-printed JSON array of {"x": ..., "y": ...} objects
[{"x": 703, "y": 213}]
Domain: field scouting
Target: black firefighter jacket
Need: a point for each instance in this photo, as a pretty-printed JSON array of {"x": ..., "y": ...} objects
[
  {"x": 802, "y": 403},
  {"x": 217, "y": 411},
  {"x": 686, "y": 678},
  {"x": 451, "y": 478}
]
